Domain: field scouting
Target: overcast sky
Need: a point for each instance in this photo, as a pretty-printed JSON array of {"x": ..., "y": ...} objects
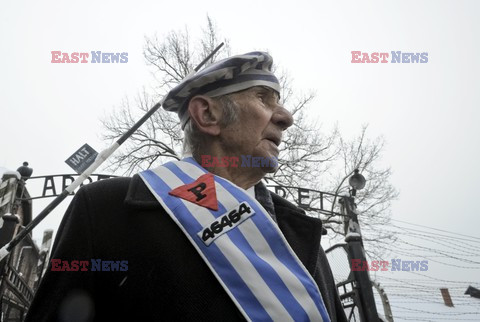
[{"x": 428, "y": 113}]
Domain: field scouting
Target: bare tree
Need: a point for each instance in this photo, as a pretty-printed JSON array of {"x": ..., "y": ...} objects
[
  {"x": 309, "y": 157},
  {"x": 173, "y": 58},
  {"x": 374, "y": 201},
  {"x": 149, "y": 144},
  {"x": 160, "y": 138}
]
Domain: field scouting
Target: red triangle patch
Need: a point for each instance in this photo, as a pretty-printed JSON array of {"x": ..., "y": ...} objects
[{"x": 201, "y": 192}]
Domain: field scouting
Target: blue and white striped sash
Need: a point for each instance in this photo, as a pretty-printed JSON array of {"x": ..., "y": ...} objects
[{"x": 252, "y": 261}]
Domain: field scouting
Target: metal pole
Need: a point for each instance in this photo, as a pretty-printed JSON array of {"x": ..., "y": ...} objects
[
  {"x": 102, "y": 156},
  {"x": 387, "y": 310},
  {"x": 353, "y": 238}
]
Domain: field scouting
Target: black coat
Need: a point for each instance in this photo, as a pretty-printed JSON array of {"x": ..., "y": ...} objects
[{"x": 120, "y": 220}]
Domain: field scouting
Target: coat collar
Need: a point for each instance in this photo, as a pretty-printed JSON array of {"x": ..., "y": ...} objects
[
  {"x": 302, "y": 232},
  {"x": 139, "y": 197}
]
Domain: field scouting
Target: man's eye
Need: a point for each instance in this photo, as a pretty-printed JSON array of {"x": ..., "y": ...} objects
[{"x": 262, "y": 97}]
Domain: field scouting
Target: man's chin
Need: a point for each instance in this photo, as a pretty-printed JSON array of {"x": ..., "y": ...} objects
[{"x": 268, "y": 164}]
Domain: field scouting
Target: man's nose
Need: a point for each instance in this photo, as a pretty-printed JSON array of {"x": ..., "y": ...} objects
[{"x": 282, "y": 118}]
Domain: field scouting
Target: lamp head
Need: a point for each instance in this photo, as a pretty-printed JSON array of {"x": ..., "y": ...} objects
[
  {"x": 357, "y": 181},
  {"x": 25, "y": 171}
]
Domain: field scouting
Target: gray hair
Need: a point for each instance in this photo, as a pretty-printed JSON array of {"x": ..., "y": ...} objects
[{"x": 193, "y": 138}]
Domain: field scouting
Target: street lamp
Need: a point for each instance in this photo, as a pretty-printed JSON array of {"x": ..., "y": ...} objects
[
  {"x": 355, "y": 250},
  {"x": 357, "y": 182},
  {"x": 25, "y": 171}
]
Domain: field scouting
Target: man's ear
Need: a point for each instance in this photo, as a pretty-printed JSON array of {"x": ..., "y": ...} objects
[{"x": 205, "y": 113}]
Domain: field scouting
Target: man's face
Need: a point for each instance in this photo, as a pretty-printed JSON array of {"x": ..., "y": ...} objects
[{"x": 259, "y": 126}]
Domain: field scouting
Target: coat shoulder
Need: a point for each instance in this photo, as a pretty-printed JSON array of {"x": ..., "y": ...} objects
[
  {"x": 116, "y": 185},
  {"x": 282, "y": 202}
]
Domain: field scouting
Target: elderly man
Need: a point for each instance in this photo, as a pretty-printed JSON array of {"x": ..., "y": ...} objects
[{"x": 186, "y": 242}]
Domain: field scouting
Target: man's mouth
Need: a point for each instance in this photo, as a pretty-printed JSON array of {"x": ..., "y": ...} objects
[{"x": 275, "y": 140}]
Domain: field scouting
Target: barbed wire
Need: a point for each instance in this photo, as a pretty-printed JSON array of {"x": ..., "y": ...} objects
[{"x": 445, "y": 248}]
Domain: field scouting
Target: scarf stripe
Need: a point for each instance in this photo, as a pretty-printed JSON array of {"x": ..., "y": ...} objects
[
  {"x": 235, "y": 255},
  {"x": 299, "y": 278},
  {"x": 267, "y": 272},
  {"x": 226, "y": 273},
  {"x": 254, "y": 254}
]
